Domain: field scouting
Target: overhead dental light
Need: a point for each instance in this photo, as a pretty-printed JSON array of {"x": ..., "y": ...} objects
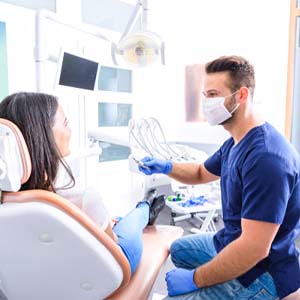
[{"x": 141, "y": 48}]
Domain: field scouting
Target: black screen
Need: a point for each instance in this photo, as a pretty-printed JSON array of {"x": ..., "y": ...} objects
[{"x": 78, "y": 72}]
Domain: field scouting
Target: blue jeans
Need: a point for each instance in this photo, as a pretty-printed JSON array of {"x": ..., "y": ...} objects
[
  {"x": 192, "y": 251},
  {"x": 129, "y": 231}
]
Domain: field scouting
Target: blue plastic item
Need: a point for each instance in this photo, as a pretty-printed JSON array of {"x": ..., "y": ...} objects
[{"x": 194, "y": 201}]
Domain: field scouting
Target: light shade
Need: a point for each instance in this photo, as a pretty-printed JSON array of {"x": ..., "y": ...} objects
[{"x": 140, "y": 49}]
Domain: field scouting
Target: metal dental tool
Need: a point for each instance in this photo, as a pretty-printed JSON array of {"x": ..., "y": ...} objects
[{"x": 140, "y": 163}]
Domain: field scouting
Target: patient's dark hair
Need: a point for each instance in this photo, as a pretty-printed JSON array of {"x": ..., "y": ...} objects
[
  {"x": 34, "y": 114},
  {"x": 241, "y": 72}
]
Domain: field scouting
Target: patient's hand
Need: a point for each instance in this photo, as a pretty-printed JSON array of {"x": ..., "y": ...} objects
[
  {"x": 110, "y": 232},
  {"x": 114, "y": 221}
]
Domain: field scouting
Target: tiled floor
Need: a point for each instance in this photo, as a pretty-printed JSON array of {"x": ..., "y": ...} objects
[{"x": 165, "y": 218}]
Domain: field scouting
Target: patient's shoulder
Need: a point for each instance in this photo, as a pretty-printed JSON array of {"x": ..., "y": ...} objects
[
  {"x": 74, "y": 195},
  {"x": 89, "y": 200}
]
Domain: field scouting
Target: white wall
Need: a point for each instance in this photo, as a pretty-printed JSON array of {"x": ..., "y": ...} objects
[
  {"x": 20, "y": 38},
  {"x": 196, "y": 31},
  {"x": 113, "y": 179},
  {"x": 34, "y": 4}
]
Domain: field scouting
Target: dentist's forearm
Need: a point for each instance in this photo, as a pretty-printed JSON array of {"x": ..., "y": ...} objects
[
  {"x": 191, "y": 173},
  {"x": 234, "y": 260}
]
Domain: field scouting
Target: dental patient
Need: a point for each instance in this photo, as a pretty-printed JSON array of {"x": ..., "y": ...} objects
[{"x": 45, "y": 129}]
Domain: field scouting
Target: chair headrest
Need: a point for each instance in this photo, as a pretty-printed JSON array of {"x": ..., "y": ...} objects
[{"x": 15, "y": 163}]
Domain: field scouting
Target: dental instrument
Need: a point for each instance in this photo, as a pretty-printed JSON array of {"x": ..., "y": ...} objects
[{"x": 140, "y": 163}]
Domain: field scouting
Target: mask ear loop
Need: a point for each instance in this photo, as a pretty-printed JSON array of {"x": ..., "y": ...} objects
[{"x": 238, "y": 104}]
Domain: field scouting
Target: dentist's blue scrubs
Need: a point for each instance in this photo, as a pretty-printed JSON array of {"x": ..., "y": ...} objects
[{"x": 260, "y": 181}]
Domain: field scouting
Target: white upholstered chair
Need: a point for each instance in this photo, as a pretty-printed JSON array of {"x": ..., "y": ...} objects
[{"x": 49, "y": 249}]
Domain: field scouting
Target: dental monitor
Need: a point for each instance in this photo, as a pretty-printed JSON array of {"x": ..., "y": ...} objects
[{"x": 76, "y": 71}]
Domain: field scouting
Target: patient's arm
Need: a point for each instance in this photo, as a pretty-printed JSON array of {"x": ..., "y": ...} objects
[{"x": 110, "y": 232}]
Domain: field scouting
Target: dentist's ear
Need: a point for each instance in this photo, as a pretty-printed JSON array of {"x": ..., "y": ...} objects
[{"x": 243, "y": 95}]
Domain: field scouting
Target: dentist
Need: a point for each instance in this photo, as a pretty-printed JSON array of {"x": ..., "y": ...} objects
[{"x": 254, "y": 255}]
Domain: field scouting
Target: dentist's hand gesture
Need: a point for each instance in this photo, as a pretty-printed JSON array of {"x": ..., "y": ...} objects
[{"x": 155, "y": 166}]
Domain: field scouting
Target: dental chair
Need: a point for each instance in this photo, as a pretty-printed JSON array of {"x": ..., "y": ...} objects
[{"x": 51, "y": 250}]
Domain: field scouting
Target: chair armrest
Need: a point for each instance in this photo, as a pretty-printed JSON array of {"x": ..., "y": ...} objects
[{"x": 156, "y": 242}]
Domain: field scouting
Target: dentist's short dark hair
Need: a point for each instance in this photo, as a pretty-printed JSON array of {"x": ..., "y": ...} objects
[
  {"x": 241, "y": 72},
  {"x": 34, "y": 113}
]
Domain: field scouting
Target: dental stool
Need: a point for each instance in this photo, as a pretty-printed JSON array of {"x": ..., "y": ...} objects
[{"x": 51, "y": 250}]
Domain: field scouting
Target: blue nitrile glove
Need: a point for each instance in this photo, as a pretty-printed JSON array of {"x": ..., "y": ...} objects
[
  {"x": 155, "y": 166},
  {"x": 180, "y": 281}
]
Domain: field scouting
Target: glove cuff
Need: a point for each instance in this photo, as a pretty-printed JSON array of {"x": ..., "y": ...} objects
[
  {"x": 168, "y": 167},
  {"x": 194, "y": 286}
]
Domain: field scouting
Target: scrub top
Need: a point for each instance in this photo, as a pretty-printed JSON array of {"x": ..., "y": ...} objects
[{"x": 260, "y": 181}]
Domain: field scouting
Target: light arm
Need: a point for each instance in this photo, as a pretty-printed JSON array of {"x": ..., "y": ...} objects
[{"x": 133, "y": 18}]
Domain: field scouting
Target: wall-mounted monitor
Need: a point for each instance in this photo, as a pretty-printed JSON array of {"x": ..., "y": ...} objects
[{"x": 76, "y": 71}]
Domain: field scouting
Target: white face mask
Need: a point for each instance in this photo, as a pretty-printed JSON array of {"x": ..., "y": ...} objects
[{"x": 215, "y": 111}]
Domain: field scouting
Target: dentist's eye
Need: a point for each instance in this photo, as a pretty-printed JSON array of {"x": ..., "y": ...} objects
[{"x": 211, "y": 93}]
